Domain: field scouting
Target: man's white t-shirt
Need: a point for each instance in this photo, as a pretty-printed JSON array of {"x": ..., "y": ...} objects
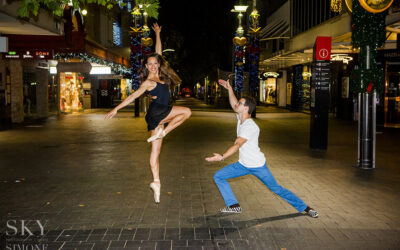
[{"x": 249, "y": 153}]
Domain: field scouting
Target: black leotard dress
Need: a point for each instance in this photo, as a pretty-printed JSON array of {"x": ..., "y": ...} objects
[{"x": 159, "y": 108}]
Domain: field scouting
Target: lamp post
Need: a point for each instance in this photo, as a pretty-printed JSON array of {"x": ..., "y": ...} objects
[{"x": 239, "y": 42}]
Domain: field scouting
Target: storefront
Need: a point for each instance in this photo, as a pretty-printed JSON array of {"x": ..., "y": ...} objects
[
  {"x": 71, "y": 92},
  {"x": 268, "y": 88},
  {"x": 298, "y": 87},
  {"x": 392, "y": 89},
  {"x": 126, "y": 88}
]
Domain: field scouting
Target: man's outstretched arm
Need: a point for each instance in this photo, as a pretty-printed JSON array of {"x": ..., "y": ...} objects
[
  {"x": 230, "y": 151},
  {"x": 232, "y": 98}
]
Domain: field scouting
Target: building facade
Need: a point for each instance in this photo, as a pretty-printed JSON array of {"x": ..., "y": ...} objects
[
  {"x": 287, "y": 45},
  {"x": 61, "y": 65}
]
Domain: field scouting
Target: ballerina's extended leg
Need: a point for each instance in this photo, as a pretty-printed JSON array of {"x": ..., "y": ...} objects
[{"x": 155, "y": 168}]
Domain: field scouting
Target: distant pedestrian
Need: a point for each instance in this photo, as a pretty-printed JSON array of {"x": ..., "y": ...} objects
[
  {"x": 157, "y": 78},
  {"x": 251, "y": 159}
]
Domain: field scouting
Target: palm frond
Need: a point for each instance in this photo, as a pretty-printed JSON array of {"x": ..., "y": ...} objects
[{"x": 151, "y": 7}]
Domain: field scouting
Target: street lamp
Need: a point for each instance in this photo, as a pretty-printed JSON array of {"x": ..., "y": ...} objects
[
  {"x": 240, "y": 8},
  {"x": 239, "y": 42}
]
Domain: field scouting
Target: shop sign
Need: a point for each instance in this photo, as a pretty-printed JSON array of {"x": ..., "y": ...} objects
[
  {"x": 28, "y": 54},
  {"x": 270, "y": 74},
  {"x": 82, "y": 67}
]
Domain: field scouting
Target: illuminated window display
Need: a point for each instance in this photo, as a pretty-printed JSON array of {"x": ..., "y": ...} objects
[
  {"x": 71, "y": 92},
  {"x": 268, "y": 91}
]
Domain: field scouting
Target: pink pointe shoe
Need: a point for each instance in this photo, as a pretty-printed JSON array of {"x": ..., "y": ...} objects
[
  {"x": 160, "y": 133},
  {"x": 156, "y": 189}
]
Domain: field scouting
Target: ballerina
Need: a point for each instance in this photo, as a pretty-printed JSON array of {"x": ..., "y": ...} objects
[{"x": 156, "y": 78}]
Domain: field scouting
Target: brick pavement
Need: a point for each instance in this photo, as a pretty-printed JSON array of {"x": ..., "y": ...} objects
[{"x": 86, "y": 180}]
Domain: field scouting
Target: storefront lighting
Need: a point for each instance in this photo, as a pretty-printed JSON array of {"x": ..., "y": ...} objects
[
  {"x": 102, "y": 70},
  {"x": 341, "y": 57},
  {"x": 306, "y": 74},
  {"x": 271, "y": 74},
  {"x": 53, "y": 70},
  {"x": 68, "y": 73}
]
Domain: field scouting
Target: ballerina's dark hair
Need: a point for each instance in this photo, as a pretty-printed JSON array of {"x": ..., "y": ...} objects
[{"x": 166, "y": 73}]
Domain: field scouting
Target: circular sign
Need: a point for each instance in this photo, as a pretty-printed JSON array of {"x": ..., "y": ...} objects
[
  {"x": 375, "y": 6},
  {"x": 323, "y": 53}
]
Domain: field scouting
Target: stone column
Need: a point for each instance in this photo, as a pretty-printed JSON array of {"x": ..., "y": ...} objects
[
  {"x": 281, "y": 91},
  {"x": 17, "y": 97},
  {"x": 42, "y": 77}
]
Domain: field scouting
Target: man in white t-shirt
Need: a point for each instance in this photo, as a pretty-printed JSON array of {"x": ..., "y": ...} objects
[{"x": 251, "y": 159}]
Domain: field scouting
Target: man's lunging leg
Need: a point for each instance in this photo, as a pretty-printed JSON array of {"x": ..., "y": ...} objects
[
  {"x": 221, "y": 177},
  {"x": 268, "y": 179}
]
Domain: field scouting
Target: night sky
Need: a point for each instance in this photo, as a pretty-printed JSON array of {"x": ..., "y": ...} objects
[{"x": 201, "y": 34}]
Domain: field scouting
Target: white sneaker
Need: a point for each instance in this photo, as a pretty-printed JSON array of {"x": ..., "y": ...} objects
[
  {"x": 160, "y": 133},
  {"x": 156, "y": 189},
  {"x": 231, "y": 210},
  {"x": 312, "y": 213}
]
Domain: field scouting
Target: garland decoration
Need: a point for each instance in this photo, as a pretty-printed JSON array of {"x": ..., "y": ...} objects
[
  {"x": 115, "y": 67},
  {"x": 368, "y": 29}
]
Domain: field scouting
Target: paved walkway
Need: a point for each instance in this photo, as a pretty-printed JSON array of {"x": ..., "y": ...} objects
[{"x": 86, "y": 181}]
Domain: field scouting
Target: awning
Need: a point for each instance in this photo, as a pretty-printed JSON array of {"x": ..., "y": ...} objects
[{"x": 276, "y": 29}]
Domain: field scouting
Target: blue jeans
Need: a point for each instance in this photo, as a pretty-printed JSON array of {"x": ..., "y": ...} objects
[{"x": 263, "y": 174}]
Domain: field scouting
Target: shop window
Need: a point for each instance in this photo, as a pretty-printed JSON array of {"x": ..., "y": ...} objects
[
  {"x": 392, "y": 100},
  {"x": 268, "y": 91},
  {"x": 71, "y": 92}
]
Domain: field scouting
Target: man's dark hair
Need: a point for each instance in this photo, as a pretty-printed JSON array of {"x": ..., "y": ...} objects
[{"x": 251, "y": 103}]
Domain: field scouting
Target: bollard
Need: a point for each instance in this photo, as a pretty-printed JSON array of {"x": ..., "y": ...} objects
[{"x": 366, "y": 130}]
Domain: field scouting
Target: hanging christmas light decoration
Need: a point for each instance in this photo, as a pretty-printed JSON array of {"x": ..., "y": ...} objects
[
  {"x": 254, "y": 50},
  {"x": 147, "y": 42},
  {"x": 136, "y": 46},
  {"x": 239, "y": 42},
  {"x": 115, "y": 67},
  {"x": 336, "y": 5},
  {"x": 368, "y": 30}
]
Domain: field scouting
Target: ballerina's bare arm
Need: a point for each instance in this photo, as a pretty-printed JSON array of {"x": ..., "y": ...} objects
[
  {"x": 157, "y": 31},
  {"x": 143, "y": 87}
]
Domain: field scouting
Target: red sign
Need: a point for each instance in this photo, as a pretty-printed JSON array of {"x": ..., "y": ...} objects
[{"x": 322, "y": 48}]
